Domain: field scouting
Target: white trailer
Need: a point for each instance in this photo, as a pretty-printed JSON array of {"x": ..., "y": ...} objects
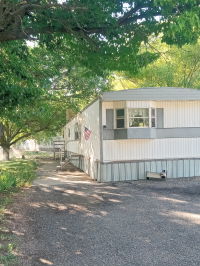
[{"x": 132, "y": 132}]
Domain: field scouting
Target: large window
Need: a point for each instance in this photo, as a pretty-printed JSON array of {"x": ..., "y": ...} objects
[
  {"x": 139, "y": 117},
  {"x": 120, "y": 118},
  {"x": 142, "y": 117}
]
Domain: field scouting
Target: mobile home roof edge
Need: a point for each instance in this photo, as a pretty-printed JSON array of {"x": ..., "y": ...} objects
[
  {"x": 82, "y": 110},
  {"x": 152, "y": 94}
]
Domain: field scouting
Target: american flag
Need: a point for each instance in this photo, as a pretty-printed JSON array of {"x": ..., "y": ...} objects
[{"x": 87, "y": 133}]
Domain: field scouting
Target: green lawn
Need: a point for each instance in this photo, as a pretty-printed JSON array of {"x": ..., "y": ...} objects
[
  {"x": 16, "y": 173},
  {"x": 13, "y": 175}
]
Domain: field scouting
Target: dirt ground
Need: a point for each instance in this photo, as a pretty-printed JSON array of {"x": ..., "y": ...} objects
[{"x": 68, "y": 219}]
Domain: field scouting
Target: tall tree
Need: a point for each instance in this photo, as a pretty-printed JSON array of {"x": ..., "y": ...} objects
[
  {"x": 46, "y": 115},
  {"x": 100, "y": 19},
  {"x": 174, "y": 68},
  {"x": 101, "y": 34},
  {"x": 27, "y": 72},
  {"x": 24, "y": 73}
]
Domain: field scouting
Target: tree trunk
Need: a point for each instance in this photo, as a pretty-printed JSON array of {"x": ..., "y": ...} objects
[{"x": 6, "y": 153}]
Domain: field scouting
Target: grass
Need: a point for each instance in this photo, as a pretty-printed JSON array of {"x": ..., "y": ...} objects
[
  {"x": 16, "y": 173},
  {"x": 13, "y": 175}
]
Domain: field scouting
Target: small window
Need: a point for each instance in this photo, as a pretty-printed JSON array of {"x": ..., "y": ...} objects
[
  {"x": 77, "y": 133},
  {"x": 139, "y": 117},
  {"x": 120, "y": 121},
  {"x": 68, "y": 132}
]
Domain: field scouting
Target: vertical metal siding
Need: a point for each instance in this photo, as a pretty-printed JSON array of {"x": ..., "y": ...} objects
[{"x": 124, "y": 171}]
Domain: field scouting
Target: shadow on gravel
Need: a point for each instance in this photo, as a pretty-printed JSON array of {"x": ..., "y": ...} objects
[{"x": 70, "y": 220}]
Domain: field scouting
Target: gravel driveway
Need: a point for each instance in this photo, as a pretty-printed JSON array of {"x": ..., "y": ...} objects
[{"x": 67, "y": 219}]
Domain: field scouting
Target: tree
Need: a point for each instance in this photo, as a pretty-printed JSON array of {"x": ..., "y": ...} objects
[
  {"x": 81, "y": 84},
  {"x": 46, "y": 115},
  {"x": 90, "y": 19},
  {"x": 175, "y": 68},
  {"x": 101, "y": 34},
  {"x": 25, "y": 73}
]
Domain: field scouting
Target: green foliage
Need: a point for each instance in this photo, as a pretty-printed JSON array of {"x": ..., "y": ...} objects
[
  {"x": 28, "y": 73},
  {"x": 15, "y": 174},
  {"x": 176, "y": 67},
  {"x": 24, "y": 73},
  {"x": 79, "y": 85},
  {"x": 16, "y": 80},
  {"x": 45, "y": 116},
  {"x": 102, "y": 34},
  {"x": 77, "y": 45}
]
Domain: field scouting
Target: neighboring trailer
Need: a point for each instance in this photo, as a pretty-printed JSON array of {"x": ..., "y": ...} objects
[{"x": 140, "y": 130}]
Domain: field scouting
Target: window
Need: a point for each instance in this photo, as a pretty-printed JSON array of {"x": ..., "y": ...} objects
[
  {"x": 120, "y": 121},
  {"x": 142, "y": 117},
  {"x": 153, "y": 117},
  {"x": 139, "y": 117},
  {"x": 77, "y": 133},
  {"x": 68, "y": 132}
]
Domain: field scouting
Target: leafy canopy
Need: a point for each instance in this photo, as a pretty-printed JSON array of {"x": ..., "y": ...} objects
[
  {"x": 45, "y": 116},
  {"x": 24, "y": 73},
  {"x": 101, "y": 34},
  {"x": 175, "y": 68}
]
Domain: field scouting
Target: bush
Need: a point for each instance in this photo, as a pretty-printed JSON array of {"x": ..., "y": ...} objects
[{"x": 16, "y": 174}]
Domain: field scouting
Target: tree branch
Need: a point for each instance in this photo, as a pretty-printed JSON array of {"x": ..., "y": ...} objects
[{"x": 28, "y": 134}]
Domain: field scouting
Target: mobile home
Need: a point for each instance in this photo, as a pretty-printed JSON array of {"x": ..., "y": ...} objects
[{"x": 123, "y": 134}]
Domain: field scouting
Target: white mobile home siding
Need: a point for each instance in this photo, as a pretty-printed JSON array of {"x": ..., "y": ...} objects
[
  {"x": 129, "y": 159},
  {"x": 90, "y": 149},
  {"x": 145, "y": 149},
  {"x": 128, "y": 153},
  {"x": 176, "y": 114}
]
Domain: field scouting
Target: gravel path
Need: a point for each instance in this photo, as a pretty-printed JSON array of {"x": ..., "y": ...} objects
[{"x": 67, "y": 219}]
